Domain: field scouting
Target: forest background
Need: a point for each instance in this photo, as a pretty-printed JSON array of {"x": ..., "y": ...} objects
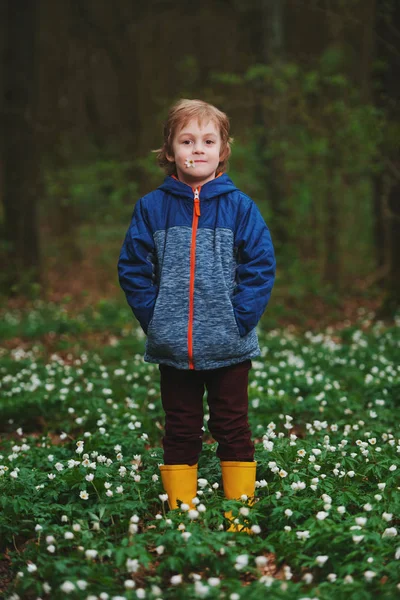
[{"x": 312, "y": 90}]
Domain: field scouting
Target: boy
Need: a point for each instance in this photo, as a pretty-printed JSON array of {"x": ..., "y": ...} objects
[{"x": 197, "y": 267}]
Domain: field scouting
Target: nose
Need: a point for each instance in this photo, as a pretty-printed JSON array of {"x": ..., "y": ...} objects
[{"x": 197, "y": 148}]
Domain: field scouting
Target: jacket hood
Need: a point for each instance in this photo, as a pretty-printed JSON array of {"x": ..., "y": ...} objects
[{"x": 220, "y": 185}]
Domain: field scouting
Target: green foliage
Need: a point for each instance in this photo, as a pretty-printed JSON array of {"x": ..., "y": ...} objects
[
  {"x": 321, "y": 409},
  {"x": 98, "y": 190},
  {"x": 314, "y": 136}
]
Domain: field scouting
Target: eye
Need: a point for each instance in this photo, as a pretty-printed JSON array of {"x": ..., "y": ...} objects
[
  {"x": 186, "y": 142},
  {"x": 210, "y": 142}
]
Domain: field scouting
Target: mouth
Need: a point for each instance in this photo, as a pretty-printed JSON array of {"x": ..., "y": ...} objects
[{"x": 200, "y": 161}]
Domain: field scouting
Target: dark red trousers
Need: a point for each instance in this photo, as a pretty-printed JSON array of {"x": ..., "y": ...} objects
[{"x": 182, "y": 394}]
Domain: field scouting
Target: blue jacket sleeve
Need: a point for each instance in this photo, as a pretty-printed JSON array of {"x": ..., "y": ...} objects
[
  {"x": 136, "y": 268},
  {"x": 255, "y": 272}
]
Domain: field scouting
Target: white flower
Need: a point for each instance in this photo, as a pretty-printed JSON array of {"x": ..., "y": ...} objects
[
  {"x": 51, "y": 548},
  {"x": 154, "y": 477},
  {"x": 392, "y": 467},
  {"x": 387, "y": 516},
  {"x": 288, "y": 512},
  {"x": 282, "y": 473},
  {"x": 134, "y": 519},
  {"x": 321, "y": 559},
  {"x": 200, "y": 589},
  {"x": 90, "y": 553},
  {"x": 303, "y": 535},
  {"x": 189, "y": 162},
  {"x": 193, "y": 514},
  {"x": 244, "y": 511},
  {"x": 38, "y": 527},
  {"x": 261, "y": 483},
  {"x": 176, "y": 579},
  {"x": 331, "y": 577},
  {"x": 68, "y": 535},
  {"x": 202, "y": 483},
  {"x": 267, "y": 580},
  {"x": 32, "y": 568},
  {"x": 367, "y": 507},
  {"x": 357, "y": 538},
  {"x": 84, "y": 495},
  {"x": 140, "y": 593},
  {"x": 185, "y": 507},
  {"x": 129, "y": 584},
  {"x": 186, "y": 535},
  {"x": 255, "y": 529},
  {"x": 160, "y": 550},
  {"x": 369, "y": 575},
  {"x": 390, "y": 532},
  {"x": 350, "y": 473},
  {"x": 321, "y": 515},
  {"x": 341, "y": 510},
  {"x": 163, "y": 497},
  {"x": 361, "y": 520},
  {"x": 268, "y": 445},
  {"x": 213, "y": 581},
  {"x": 381, "y": 486},
  {"x": 67, "y": 587},
  {"x": 261, "y": 561},
  {"x": 132, "y": 565},
  {"x": 241, "y": 561},
  {"x": 81, "y": 584}
]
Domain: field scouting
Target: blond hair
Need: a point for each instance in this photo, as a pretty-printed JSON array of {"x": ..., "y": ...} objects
[{"x": 179, "y": 115}]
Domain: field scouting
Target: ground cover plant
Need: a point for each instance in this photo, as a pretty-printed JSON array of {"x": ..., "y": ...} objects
[{"x": 82, "y": 510}]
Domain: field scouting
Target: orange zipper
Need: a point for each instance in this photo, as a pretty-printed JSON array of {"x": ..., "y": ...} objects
[{"x": 196, "y": 215}]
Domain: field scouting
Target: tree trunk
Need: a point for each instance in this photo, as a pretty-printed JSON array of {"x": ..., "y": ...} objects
[
  {"x": 269, "y": 108},
  {"x": 21, "y": 260},
  {"x": 388, "y": 98},
  {"x": 332, "y": 258}
]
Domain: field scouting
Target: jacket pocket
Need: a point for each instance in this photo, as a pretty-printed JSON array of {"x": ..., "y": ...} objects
[
  {"x": 167, "y": 331},
  {"x": 216, "y": 333}
]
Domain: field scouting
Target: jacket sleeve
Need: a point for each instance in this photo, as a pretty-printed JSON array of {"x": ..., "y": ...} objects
[
  {"x": 136, "y": 268},
  {"x": 255, "y": 272}
]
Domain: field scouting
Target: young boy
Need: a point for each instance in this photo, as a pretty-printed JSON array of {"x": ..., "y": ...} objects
[{"x": 197, "y": 267}]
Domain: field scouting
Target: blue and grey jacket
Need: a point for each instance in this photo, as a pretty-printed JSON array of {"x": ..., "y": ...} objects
[{"x": 197, "y": 268}]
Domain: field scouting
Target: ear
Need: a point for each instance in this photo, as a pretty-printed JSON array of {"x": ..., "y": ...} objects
[{"x": 169, "y": 157}]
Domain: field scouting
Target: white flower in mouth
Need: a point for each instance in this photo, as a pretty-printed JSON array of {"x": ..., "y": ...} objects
[{"x": 189, "y": 162}]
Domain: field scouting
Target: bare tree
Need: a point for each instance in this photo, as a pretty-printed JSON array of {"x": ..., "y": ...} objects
[{"x": 21, "y": 259}]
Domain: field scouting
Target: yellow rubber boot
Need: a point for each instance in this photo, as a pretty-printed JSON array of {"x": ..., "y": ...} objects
[
  {"x": 179, "y": 482},
  {"x": 238, "y": 478}
]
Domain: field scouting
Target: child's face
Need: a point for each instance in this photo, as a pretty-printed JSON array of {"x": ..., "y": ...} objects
[{"x": 196, "y": 152}]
